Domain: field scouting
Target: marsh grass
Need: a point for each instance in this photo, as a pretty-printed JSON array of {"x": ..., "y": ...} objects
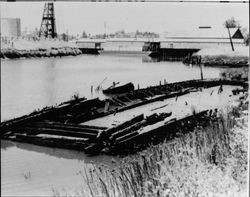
[
  {"x": 235, "y": 73},
  {"x": 75, "y": 96},
  {"x": 209, "y": 161}
]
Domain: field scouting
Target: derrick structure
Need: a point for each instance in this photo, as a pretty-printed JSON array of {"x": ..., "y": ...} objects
[{"x": 48, "y": 25}]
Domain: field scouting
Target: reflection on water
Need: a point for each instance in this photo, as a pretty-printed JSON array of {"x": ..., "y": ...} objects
[
  {"x": 146, "y": 59},
  {"x": 47, "y": 168},
  {"x": 6, "y": 144},
  {"x": 58, "y": 153},
  {"x": 34, "y": 83}
]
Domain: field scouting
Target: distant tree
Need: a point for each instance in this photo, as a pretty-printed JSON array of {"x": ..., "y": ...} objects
[
  {"x": 64, "y": 37},
  {"x": 231, "y": 23},
  {"x": 247, "y": 39},
  {"x": 84, "y": 35},
  {"x": 245, "y": 33}
]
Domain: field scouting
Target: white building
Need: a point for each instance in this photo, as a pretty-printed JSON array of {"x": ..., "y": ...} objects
[
  {"x": 113, "y": 44},
  {"x": 203, "y": 37},
  {"x": 123, "y": 45}
]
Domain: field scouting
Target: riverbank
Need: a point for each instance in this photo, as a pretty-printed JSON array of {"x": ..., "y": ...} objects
[
  {"x": 221, "y": 56},
  {"x": 41, "y": 48},
  {"x": 208, "y": 161},
  {"x": 235, "y": 73}
]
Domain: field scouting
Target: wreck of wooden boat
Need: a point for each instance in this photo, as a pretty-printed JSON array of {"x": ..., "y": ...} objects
[
  {"x": 119, "y": 89},
  {"x": 65, "y": 125}
]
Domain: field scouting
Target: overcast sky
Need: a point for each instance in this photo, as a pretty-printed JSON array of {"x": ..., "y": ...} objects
[{"x": 156, "y": 17}]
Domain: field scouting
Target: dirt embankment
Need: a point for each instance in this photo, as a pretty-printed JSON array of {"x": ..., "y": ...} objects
[
  {"x": 221, "y": 57},
  {"x": 42, "y": 48}
]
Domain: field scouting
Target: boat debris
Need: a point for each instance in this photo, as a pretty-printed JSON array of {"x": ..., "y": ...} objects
[
  {"x": 63, "y": 126},
  {"x": 119, "y": 89}
]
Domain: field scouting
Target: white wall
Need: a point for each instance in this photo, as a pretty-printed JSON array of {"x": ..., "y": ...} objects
[
  {"x": 201, "y": 45},
  {"x": 122, "y": 46},
  {"x": 89, "y": 45}
]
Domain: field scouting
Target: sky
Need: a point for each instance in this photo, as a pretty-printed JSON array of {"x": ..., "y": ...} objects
[{"x": 158, "y": 17}]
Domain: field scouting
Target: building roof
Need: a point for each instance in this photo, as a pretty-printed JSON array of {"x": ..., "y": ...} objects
[
  {"x": 201, "y": 40},
  {"x": 11, "y": 19},
  {"x": 238, "y": 34},
  {"x": 115, "y": 40},
  {"x": 205, "y": 32},
  {"x": 87, "y": 40}
]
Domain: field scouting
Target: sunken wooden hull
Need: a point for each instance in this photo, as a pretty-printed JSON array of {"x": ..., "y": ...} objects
[
  {"x": 58, "y": 126},
  {"x": 119, "y": 89}
]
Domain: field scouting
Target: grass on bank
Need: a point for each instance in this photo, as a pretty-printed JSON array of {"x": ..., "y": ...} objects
[
  {"x": 235, "y": 73},
  {"x": 210, "y": 161},
  {"x": 224, "y": 56},
  {"x": 239, "y": 51}
]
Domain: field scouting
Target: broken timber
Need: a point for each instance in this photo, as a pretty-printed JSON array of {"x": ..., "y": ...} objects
[{"x": 59, "y": 126}]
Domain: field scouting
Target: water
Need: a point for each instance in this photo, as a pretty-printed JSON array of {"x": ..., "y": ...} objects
[
  {"x": 29, "y": 170},
  {"x": 34, "y": 83}
]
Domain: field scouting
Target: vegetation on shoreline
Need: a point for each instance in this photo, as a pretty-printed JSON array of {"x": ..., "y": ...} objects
[
  {"x": 235, "y": 74},
  {"x": 221, "y": 56},
  {"x": 210, "y": 161},
  {"x": 53, "y": 52},
  {"x": 21, "y": 48}
]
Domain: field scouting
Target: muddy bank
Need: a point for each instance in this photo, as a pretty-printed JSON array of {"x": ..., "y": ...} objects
[
  {"x": 10, "y": 53},
  {"x": 225, "y": 61},
  {"x": 235, "y": 73},
  {"x": 220, "y": 57}
]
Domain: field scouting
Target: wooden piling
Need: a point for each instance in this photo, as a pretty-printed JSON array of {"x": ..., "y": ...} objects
[
  {"x": 91, "y": 90},
  {"x": 199, "y": 61}
]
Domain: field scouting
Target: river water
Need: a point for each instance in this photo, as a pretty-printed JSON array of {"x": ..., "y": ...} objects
[{"x": 28, "y": 84}]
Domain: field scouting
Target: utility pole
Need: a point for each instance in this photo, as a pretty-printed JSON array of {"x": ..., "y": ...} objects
[
  {"x": 105, "y": 25},
  {"x": 231, "y": 42},
  {"x": 199, "y": 62},
  {"x": 48, "y": 25}
]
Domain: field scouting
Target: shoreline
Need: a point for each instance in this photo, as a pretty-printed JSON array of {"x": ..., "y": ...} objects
[
  {"x": 223, "y": 57},
  {"x": 53, "y": 52}
]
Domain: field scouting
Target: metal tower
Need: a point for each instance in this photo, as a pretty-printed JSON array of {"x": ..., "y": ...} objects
[{"x": 48, "y": 25}]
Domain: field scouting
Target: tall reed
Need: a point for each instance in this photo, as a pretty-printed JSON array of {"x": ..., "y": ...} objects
[{"x": 210, "y": 161}]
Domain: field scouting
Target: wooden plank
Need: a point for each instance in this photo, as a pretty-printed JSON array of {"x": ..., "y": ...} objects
[
  {"x": 52, "y": 142},
  {"x": 58, "y": 132},
  {"x": 61, "y": 126},
  {"x": 123, "y": 125}
]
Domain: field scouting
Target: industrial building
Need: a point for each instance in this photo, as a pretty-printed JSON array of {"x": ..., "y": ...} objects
[
  {"x": 202, "y": 37},
  {"x": 10, "y": 27},
  {"x": 112, "y": 44}
]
